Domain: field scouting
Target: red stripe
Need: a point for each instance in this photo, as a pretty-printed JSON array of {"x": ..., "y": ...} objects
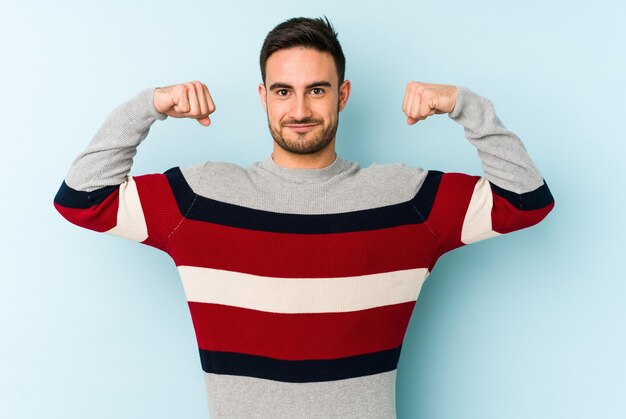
[
  {"x": 289, "y": 255},
  {"x": 100, "y": 218},
  {"x": 159, "y": 206},
  {"x": 506, "y": 218},
  {"x": 450, "y": 206},
  {"x": 299, "y": 336}
]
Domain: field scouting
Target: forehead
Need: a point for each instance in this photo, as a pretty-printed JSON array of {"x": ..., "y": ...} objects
[{"x": 300, "y": 66}]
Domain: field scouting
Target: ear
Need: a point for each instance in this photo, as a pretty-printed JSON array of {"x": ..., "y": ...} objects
[
  {"x": 263, "y": 94},
  {"x": 344, "y": 94}
]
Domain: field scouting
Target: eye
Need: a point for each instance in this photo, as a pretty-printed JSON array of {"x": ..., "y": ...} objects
[
  {"x": 282, "y": 92},
  {"x": 317, "y": 91}
]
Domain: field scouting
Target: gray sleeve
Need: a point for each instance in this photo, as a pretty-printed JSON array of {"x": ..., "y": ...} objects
[
  {"x": 504, "y": 158},
  {"x": 109, "y": 156}
]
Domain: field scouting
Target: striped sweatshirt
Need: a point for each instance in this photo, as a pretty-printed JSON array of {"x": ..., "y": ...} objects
[{"x": 301, "y": 282}]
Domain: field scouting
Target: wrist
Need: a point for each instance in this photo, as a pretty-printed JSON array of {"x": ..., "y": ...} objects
[
  {"x": 453, "y": 98},
  {"x": 154, "y": 109},
  {"x": 156, "y": 103}
]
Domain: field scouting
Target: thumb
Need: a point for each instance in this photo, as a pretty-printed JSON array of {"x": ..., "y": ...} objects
[
  {"x": 411, "y": 121},
  {"x": 204, "y": 121}
]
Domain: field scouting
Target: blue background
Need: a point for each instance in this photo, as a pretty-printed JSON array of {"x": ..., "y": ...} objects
[{"x": 528, "y": 325}]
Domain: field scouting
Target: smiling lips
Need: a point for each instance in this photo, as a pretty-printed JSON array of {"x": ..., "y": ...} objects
[{"x": 301, "y": 127}]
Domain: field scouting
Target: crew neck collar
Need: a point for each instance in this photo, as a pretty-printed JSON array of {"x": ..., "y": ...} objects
[{"x": 305, "y": 175}]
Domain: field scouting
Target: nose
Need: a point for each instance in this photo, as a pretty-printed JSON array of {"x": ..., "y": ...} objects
[{"x": 300, "y": 109}]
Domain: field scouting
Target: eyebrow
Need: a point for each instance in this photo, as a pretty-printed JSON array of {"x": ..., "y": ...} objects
[{"x": 309, "y": 86}]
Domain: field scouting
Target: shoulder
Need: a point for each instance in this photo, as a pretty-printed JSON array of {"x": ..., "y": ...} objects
[
  {"x": 394, "y": 173},
  {"x": 388, "y": 183},
  {"x": 215, "y": 179}
]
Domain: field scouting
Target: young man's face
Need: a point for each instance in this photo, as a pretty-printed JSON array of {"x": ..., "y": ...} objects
[{"x": 302, "y": 99}]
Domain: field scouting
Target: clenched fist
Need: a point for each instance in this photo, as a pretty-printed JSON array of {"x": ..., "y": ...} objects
[
  {"x": 186, "y": 100},
  {"x": 422, "y": 100}
]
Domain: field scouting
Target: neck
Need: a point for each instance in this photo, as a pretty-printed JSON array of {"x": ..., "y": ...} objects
[{"x": 319, "y": 160}]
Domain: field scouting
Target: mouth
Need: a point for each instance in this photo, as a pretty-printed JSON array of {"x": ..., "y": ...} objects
[{"x": 300, "y": 128}]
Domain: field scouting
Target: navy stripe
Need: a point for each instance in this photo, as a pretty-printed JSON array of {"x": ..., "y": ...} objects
[
  {"x": 307, "y": 371},
  {"x": 533, "y": 200},
  {"x": 184, "y": 195},
  {"x": 206, "y": 209},
  {"x": 425, "y": 197},
  {"x": 71, "y": 198}
]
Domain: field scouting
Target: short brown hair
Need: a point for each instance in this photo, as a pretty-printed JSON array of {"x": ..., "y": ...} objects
[{"x": 316, "y": 33}]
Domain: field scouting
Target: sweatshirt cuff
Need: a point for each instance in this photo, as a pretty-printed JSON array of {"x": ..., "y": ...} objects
[
  {"x": 144, "y": 105},
  {"x": 463, "y": 95},
  {"x": 474, "y": 112}
]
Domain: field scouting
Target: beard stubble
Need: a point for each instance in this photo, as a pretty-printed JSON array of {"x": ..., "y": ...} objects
[{"x": 299, "y": 146}]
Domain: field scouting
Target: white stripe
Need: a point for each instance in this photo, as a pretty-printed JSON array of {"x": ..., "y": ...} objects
[
  {"x": 301, "y": 295},
  {"x": 131, "y": 223},
  {"x": 477, "y": 222}
]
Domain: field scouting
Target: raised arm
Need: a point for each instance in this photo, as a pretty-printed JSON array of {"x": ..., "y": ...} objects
[
  {"x": 511, "y": 195},
  {"x": 97, "y": 192}
]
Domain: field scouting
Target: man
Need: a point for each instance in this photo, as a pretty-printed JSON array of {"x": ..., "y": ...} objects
[{"x": 302, "y": 270}]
